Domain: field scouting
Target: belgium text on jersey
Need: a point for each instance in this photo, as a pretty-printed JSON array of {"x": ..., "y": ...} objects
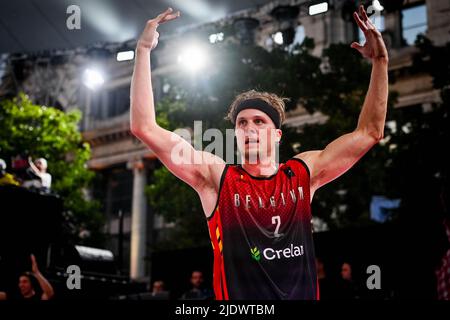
[{"x": 249, "y": 202}]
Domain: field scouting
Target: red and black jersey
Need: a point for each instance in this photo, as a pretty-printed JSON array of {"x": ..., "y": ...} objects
[{"x": 262, "y": 236}]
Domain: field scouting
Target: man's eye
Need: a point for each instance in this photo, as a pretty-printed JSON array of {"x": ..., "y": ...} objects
[
  {"x": 242, "y": 122},
  {"x": 258, "y": 121}
]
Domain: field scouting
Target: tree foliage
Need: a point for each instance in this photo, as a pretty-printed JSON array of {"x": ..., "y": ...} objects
[{"x": 41, "y": 131}]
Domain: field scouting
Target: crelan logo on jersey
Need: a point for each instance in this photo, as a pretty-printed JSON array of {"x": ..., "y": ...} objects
[
  {"x": 272, "y": 254},
  {"x": 255, "y": 253}
]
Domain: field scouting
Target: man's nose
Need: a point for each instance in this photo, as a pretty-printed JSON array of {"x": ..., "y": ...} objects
[{"x": 251, "y": 128}]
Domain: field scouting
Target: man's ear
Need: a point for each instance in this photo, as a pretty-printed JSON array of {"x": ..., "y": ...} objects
[{"x": 279, "y": 135}]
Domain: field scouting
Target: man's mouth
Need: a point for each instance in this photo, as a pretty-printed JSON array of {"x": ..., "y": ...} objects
[{"x": 251, "y": 141}]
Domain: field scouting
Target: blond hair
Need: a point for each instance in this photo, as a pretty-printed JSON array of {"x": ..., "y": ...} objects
[{"x": 277, "y": 102}]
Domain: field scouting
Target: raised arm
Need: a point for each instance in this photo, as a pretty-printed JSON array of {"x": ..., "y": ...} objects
[
  {"x": 33, "y": 167},
  {"x": 46, "y": 287},
  {"x": 341, "y": 154},
  {"x": 188, "y": 164}
]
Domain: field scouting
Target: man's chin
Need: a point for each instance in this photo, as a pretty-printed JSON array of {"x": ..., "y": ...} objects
[{"x": 251, "y": 156}]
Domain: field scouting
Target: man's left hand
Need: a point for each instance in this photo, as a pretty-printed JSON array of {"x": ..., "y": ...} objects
[{"x": 374, "y": 48}]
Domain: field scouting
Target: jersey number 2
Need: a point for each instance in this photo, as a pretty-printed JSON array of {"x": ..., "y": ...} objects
[{"x": 277, "y": 220}]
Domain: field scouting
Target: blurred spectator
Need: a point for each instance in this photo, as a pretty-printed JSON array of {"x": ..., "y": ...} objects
[
  {"x": 443, "y": 271},
  {"x": 346, "y": 286},
  {"x": 346, "y": 272},
  {"x": 159, "y": 291},
  {"x": 32, "y": 285},
  {"x": 198, "y": 291},
  {"x": 6, "y": 178},
  {"x": 43, "y": 179},
  {"x": 19, "y": 166},
  {"x": 157, "y": 287},
  {"x": 325, "y": 285},
  {"x": 156, "y": 291}
]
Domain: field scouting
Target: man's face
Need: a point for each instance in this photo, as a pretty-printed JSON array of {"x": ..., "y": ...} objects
[
  {"x": 256, "y": 135},
  {"x": 197, "y": 279},
  {"x": 25, "y": 286},
  {"x": 158, "y": 286},
  {"x": 346, "y": 271}
]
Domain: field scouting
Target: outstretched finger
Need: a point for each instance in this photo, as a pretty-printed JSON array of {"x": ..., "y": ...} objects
[
  {"x": 167, "y": 16},
  {"x": 366, "y": 18},
  {"x": 170, "y": 17},
  {"x": 360, "y": 23},
  {"x": 165, "y": 13},
  {"x": 363, "y": 13},
  {"x": 357, "y": 46}
]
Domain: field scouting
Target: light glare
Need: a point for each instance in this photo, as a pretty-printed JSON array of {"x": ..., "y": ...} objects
[
  {"x": 318, "y": 8},
  {"x": 193, "y": 59},
  {"x": 125, "y": 55},
  {"x": 278, "y": 38},
  {"x": 93, "y": 79}
]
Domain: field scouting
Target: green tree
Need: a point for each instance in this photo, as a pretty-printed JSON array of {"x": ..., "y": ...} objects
[{"x": 40, "y": 131}]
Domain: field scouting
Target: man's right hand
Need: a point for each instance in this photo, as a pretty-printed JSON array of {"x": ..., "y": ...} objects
[
  {"x": 149, "y": 37},
  {"x": 34, "y": 265}
]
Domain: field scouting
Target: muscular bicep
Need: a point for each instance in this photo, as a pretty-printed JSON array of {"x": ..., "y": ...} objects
[
  {"x": 179, "y": 157},
  {"x": 337, "y": 157}
]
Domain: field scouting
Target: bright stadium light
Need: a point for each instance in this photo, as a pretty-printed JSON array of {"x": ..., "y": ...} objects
[
  {"x": 318, "y": 8},
  {"x": 93, "y": 78},
  {"x": 193, "y": 59},
  {"x": 125, "y": 55},
  {"x": 278, "y": 38},
  {"x": 216, "y": 37}
]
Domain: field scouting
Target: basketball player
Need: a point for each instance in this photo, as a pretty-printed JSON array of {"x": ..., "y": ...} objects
[{"x": 258, "y": 213}]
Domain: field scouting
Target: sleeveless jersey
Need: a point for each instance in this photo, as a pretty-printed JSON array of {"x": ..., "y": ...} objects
[{"x": 261, "y": 235}]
